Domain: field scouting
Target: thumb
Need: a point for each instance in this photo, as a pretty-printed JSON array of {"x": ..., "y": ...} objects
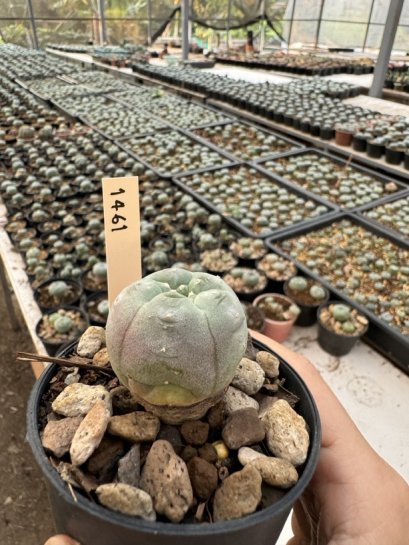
[{"x": 61, "y": 540}]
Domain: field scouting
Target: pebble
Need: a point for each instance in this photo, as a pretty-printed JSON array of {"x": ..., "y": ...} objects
[
  {"x": 203, "y": 477},
  {"x": 101, "y": 358},
  {"x": 208, "y": 453},
  {"x": 136, "y": 427},
  {"x": 129, "y": 467},
  {"x": 216, "y": 414},
  {"x": 247, "y": 455},
  {"x": 165, "y": 477},
  {"x": 265, "y": 405},
  {"x": 276, "y": 471},
  {"x": 243, "y": 427},
  {"x": 123, "y": 401},
  {"x": 78, "y": 399},
  {"x": 269, "y": 363},
  {"x": 58, "y": 435},
  {"x": 238, "y": 495},
  {"x": 90, "y": 432},
  {"x": 195, "y": 432},
  {"x": 286, "y": 433},
  {"x": 249, "y": 377},
  {"x": 126, "y": 499},
  {"x": 235, "y": 400},
  {"x": 91, "y": 341},
  {"x": 103, "y": 461},
  {"x": 188, "y": 453},
  {"x": 171, "y": 434}
]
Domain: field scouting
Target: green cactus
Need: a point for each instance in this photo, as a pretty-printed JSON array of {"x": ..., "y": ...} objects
[
  {"x": 317, "y": 292},
  {"x": 340, "y": 312},
  {"x": 100, "y": 270},
  {"x": 58, "y": 289},
  {"x": 63, "y": 324},
  {"x": 298, "y": 283},
  {"x": 103, "y": 308},
  {"x": 191, "y": 333}
]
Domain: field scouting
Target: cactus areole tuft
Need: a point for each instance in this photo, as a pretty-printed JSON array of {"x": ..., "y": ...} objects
[{"x": 175, "y": 339}]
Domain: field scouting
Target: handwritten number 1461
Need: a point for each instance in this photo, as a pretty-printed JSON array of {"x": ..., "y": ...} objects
[{"x": 117, "y": 218}]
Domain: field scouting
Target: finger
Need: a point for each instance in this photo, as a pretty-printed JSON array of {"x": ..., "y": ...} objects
[{"x": 61, "y": 540}]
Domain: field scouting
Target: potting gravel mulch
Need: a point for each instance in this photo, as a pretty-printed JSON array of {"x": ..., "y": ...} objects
[{"x": 107, "y": 447}]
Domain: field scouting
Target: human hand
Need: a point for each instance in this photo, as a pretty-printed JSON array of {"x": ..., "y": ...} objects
[
  {"x": 61, "y": 540},
  {"x": 354, "y": 497}
]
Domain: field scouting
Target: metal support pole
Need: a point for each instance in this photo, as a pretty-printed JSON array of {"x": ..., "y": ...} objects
[
  {"x": 388, "y": 38},
  {"x": 185, "y": 29},
  {"x": 102, "y": 22},
  {"x": 262, "y": 27},
  {"x": 228, "y": 25},
  {"x": 291, "y": 24},
  {"x": 317, "y": 34},
  {"x": 103, "y": 37},
  {"x": 149, "y": 23},
  {"x": 32, "y": 23},
  {"x": 367, "y": 26}
]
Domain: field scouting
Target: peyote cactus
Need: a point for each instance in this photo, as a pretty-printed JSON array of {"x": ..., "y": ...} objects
[
  {"x": 58, "y": 289},
  {"x": 340, "y": 312},
  {"x": 298, "y": 283},
  {"x": 63, "y": 324},
  {"x": 190, "y": 332}
]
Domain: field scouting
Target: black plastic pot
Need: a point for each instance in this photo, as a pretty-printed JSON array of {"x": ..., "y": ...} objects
[
  {"x": 326, "y": 133},
  {"x": 53, "y": 347},
  {"x": 393, "y": 156},
  {"x": 358, "y": 144},
  {"x": 334, "y": 343},
  {"x": 406, "y": 161},
  {"x": 92, "y": 524},
  {"x": 375, "y": 150},
  {"x": 73, "y": 283},
  {"x": 308, "y": 314}
]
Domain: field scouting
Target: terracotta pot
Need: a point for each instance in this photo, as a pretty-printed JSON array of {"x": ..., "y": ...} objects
[
  {"x": 276, "y": 330},
  {"x": 343, "y": 138}
]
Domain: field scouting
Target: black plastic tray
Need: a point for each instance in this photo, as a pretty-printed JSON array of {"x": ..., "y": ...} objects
[
  {"x": 187, "y": 172},
  {"x": 400, "y": 237},
  {"x": 178, "y": 180},
  {"x": 389, "y": 342},
  {"x": 383, "y": 179},
  {"x": 290, "y": 141}
]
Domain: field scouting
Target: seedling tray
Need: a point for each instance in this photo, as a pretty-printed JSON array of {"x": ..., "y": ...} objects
[
  {"x": 395, "y": 233},
  {"x": 198, "y": 133},
  {"x": 390, "y": 342},
  {"x": 182, "y": 182},
  {"x": 320, "y": 154},
  {"x": 149, "y": 158}
]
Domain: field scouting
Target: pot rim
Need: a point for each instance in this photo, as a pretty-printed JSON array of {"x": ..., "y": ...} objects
[{"x": 166, "y": 528}]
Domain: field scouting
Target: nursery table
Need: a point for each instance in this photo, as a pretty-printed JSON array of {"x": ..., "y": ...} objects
[{"x": 13, "y": 279}]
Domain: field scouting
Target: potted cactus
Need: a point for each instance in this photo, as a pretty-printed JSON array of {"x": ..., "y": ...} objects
[
  {"x": 96, "y": 278},
  {"x": 56, "y": 292},
  {"x": 97, "y": 307},
  {"x": 277, "y": 269},
  {"x": 280, "y": 314},
  {"x": 246, "y": 282},
  {"x": 57, "y": 328},
  {"x": 191, "y": 334},
  {"x": 339, "y": 327},
  {"x": 309, "y": 295}
]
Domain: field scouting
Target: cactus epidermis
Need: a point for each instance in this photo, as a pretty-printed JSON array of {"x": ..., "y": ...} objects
[{"x": 176, "y": 337}]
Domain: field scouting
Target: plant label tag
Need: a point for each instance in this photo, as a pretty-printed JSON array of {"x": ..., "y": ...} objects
[{"x": 122, "y": 233}]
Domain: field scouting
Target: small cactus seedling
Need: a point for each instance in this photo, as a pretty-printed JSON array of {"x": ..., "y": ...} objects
[
  {"x": 99, "y": 270},
  {"x": 341, "y": 313},
  {"x": 63, "y": 324},
  {"x": 103, "y": 308},
  {"x": 190, "y": 332},
  {"x": 58, "y": 290},
  {"x": 298, "y": 283},
  {"x": 343, "y": 319},
  {"x": 245, "y": 280}
]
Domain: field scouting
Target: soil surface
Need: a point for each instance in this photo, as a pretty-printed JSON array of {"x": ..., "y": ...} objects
[{"x": 25, "y": 516}]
